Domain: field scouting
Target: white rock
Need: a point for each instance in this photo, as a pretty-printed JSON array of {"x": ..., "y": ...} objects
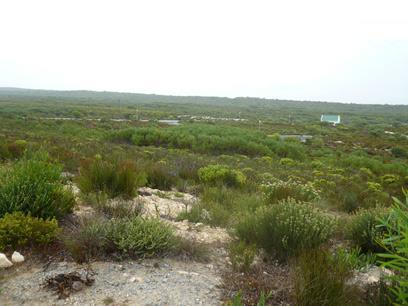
[
  {"x": 369, "y": 276},
  {"x": 17, "y": 257},
  {"x": 4, "y": 262},
  {"x": 77, "y": 286}
]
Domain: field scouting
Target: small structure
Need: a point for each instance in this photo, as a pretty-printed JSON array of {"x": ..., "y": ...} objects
[{"x": 333, "y": 119}]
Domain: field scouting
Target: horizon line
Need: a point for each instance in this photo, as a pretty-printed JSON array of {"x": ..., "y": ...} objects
[{"x": 200, "y": 96}]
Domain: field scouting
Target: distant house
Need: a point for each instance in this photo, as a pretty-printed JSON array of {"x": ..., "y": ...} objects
[{"x": 334, "y": 119}]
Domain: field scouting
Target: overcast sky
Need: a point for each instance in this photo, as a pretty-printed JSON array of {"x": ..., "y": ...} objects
[{"x": 346, "y": 51}]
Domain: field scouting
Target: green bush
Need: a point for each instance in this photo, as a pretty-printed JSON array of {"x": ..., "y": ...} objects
[
  {"x": 221, "y": 175},
  {"x": 143, "y": 238},
  {"x": 286, "y": 229},
  {"x": 365, "y": 229},
  {"x": 320, "y": 279},
  {"x": 399, "y": 152},
  {"x": 237, "y": 300},
  {"x": 286, "y": 161},
  {"x": 18, "y": 230},
  {"x": 395, "y": 242},
  {"x": 281, "y": 190},
  {"x": 221, "y": 206},
  {"x": 113, "y": 178},
  {"x": 209, "y": 139},
  {"x": 33, "y": 186},
  {"x": 98, "y": 237},
  {"x": 355, "y": 258}
]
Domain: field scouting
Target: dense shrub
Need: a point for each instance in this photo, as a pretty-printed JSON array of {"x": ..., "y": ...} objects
[
  {"x": 286, "y": 229},
  {"x": 221, "y": 175},
  {"x": 143, "y": 237},
  {"x": 202, "y": 138},
  {"x": 118, "y": 178},
  {"x": 395, "y": 241},
  {"x": 365, "y": 229},
  {"x": 320, "y": 279},
  {"x": 33, "y": 186},
  {"x": 160, "y": 176},
  {"x": 277, "y": 190},
  {"x": 221, "y": 206},
  {"x": 399, "y": 152},
  {"x": 376, "y": 166},
  {"x": 19, "y": 230},
  {"x": 99, "y": 237}
]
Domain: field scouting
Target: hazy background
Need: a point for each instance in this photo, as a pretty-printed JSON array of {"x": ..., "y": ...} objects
[{"x": 347, "y": 51}]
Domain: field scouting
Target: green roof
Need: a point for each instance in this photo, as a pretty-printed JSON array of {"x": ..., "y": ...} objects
[{"x": 330, "y": 118}]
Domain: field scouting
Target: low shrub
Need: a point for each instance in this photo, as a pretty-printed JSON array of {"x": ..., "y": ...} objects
[
  {"x": 18, "y": 230},
  {"x": 118, "y": 178},
  {"x": 159, "y": 176},
  {"x": 222, "y": 206},
  {"x": 320, "y": 279},
  {"x": 112, "y": 208},
  {"x": 192, "y": 249},
  {"x": 349, "y": 201},
  {"x": 241, "y": 255},
  {"x": 278, "y": 190},
  {"x": 33, "y": 185},
  {"x": 221, "y": 175},
  {"x": 365, "y": 229},
  {"x": 88, "y": 239},
  {"x": 119, "y": 209},
  {"x": 287, "y": 161},
  {"x": 143, "y": 237},
  {"x": 128, "y": 237},
  {"x": 399, "y": 152},
  {"x": 286, "y": 229},
  {"x": 355, "y": 258},
  {"x": 237, "y": 300}
]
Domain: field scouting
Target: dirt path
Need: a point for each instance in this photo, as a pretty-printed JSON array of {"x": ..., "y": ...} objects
[{"x": 149, "y": 282}]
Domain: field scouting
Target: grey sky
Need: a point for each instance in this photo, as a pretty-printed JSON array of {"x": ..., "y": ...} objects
[{"x": 347, "y": 51}]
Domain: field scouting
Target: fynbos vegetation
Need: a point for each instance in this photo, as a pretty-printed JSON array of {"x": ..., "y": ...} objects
[{"x": 300, "y": 219}]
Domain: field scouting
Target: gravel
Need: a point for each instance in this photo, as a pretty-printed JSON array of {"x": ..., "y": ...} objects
[{"x": 149, "y": 282}]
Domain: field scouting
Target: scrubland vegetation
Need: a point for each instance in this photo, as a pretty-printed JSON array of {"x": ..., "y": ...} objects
[{"x": 323, "y": 208}]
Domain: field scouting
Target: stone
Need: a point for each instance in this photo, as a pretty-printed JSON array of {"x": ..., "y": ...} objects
[
  {"x": 369, "y": 276},
  {"x": 17, "y": 257},
  {"x": 4, "y": 262},
  {"x": 77, "y": 286}
]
